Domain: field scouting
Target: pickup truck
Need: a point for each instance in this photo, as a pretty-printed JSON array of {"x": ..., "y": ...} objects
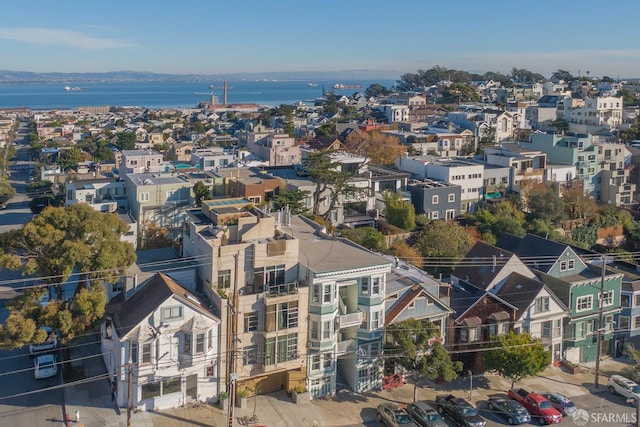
[
  {"x": 537, "y": 405},
  {"x": 459, "y": 410}
]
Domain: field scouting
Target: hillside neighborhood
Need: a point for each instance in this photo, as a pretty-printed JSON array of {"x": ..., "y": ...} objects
[{"x": 300, "y": 241}]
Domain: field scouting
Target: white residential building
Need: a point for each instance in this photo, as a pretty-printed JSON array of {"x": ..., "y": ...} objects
[{"x": 166, "y": 342}]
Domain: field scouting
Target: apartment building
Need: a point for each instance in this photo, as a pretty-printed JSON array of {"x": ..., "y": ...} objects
[
  {"x": 141, "y": 161},
  {"x": 346, "y": 310},
  {"x": 526, "y": 166},
  {"x": 103, "y": 194},
  {"x": 593, "y": 114},
  {"x": 249, "y": 270}
]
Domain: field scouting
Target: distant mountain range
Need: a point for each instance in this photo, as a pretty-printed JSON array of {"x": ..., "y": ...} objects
[{"x": 16, "y": 77}]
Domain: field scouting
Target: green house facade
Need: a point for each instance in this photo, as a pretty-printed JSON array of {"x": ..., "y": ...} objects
[{"x": 578, "y": 286}]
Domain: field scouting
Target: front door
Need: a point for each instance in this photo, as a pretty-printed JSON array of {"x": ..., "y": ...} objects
[{"x": 192, "y": 387}]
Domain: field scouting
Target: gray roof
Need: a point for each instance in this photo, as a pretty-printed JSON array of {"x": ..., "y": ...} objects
[
  {"x": 323, "y": 254},
  {"x": 520, "y": 291},
  {"x": 130, "y": 313},
  {"x": 532, "y": 246},
  {"x": 482, "y": 264}
]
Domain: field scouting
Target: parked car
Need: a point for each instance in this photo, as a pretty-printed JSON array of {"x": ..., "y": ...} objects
[
  {"x": 459, "y": 410},
  {"x": 393, "y": 416},
  {"x": 47, "y": 345},
  {"x": 45, "y": 366},
  {"x": 425, "y": 415},
  {"x": 510, "y": 410},
  {"x": 559, "y": 401},
  {"x": 617, "y": 384},
  {"x": 537, "y": 405}
]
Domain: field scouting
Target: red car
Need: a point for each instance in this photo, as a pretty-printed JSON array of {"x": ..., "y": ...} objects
[{"x": 537, "y": 405}]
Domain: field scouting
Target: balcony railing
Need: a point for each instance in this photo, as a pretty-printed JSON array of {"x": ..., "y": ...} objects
[
  {"x": 346, "y": 346},
  {"x": 351, "y": 319},
  {"x": 283, "y": 289}
]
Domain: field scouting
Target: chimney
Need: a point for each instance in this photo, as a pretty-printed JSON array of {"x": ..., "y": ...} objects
[
  {"x": 493, "y": 270},
  {"x": 225, "y": 93}
]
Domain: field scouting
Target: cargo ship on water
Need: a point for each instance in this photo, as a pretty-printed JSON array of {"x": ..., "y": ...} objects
[{"x": 343, "y": 86}]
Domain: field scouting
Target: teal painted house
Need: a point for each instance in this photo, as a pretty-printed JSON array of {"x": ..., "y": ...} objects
[{"x": 577, "y": 284}]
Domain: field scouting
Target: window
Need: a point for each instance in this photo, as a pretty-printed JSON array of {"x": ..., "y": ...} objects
[
  {"x": 315, "y": 362},
  {"x": 636, "y": 322},
  {"x": 150, "y": 390},
  {"x": 542, "y": 304},
  {"x": 578, "y": 330},
  {"x": 144, "y": 197},
  {"x": 146, "y": 353},
  {"x": 199, "y": 343},
  {"x": 625, "y": 300},
  {"x": 209, "y": 339},
  {"x": 571, "y": 264},
  {"x": 557, "y": 328},
  {"x": 172, "y": 313},
  {"x": 364, "y": 285},
  {"x": 250, "y": 355},
  {"x": 326, "y": 361},
  {"x": 464, "y": 335},
  {"x": 623, "y": 323},
  {"x": 281, "y": 349},
  {"x": 563, "y": 265},
  {"x": 434, "y": 214},
  {"x": 281, "y": 316},
  {"x": 637, "y": 304},
  {"x": 546, "y": 329},
  {"x": 607, "y": 298},
  {"x": 434, "y": 200},
  {"x": 326, "y": 329},
  {"x": 452, "y": 198},
  {"x": 187, "y": 344},
  {"x": 224, "y": 279},
  {"x": 327, "y": 294},
  {"x": 210, "y": 371},
  {"x": 315, "y": 296},
  {"x": 375, "y": 286},
  {"x": 474, "y": 334},
  {"x": 251, "y": 321},
  {"x": 584, "y": 303},
  {"x": 589, "y": 329},
  {"x": 375, "y": 320},
  {"x": 315, "y": 327}
]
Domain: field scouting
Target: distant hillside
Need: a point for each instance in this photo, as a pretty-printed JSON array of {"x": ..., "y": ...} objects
[{"x": 8, "y": 76}]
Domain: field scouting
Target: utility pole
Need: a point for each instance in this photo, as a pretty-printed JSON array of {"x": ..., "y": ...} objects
[
  {"x": 129, "y": 385},
  {"x": 232, "y": 320},
  {"x": 600, "y": 325}
]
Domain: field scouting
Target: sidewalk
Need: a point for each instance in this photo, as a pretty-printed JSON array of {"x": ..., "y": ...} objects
[{"x": 93, "y": 399}]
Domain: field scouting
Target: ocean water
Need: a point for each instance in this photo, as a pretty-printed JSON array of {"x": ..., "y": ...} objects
[{"x": 45, "y": 96}]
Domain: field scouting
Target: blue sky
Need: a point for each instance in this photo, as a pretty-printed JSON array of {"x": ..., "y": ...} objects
[{"x": 217, "y": 37}]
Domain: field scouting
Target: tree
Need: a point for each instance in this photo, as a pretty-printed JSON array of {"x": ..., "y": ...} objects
[
  {"x": 330, "y": 181},
  {"x": 577, "y": 205},
  {"x": 201, "y": 192},
  {"x": 544, "y": 203},
  {"x": 516, "y": 356},
  {"x": 446, "y": 240},
  {"x": 398, "y": 212},
  {"x": 379, "y": 148},
  {"x": 70, "y": 158},
  {"x": 402, "y": 250},
  {"x": 6, "y": 191},
  {"x": 64, "y": 240},
  {"x": 562, "y": 75},
  {"x": 126, "y": 140},
  {"x": 368, "y": 237},
  {"x": 415, "y": 351},
  {"x": 376, "y": 90},
  {"x": 293, "y": 200},
  {"x": 488, "y": 137}
]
